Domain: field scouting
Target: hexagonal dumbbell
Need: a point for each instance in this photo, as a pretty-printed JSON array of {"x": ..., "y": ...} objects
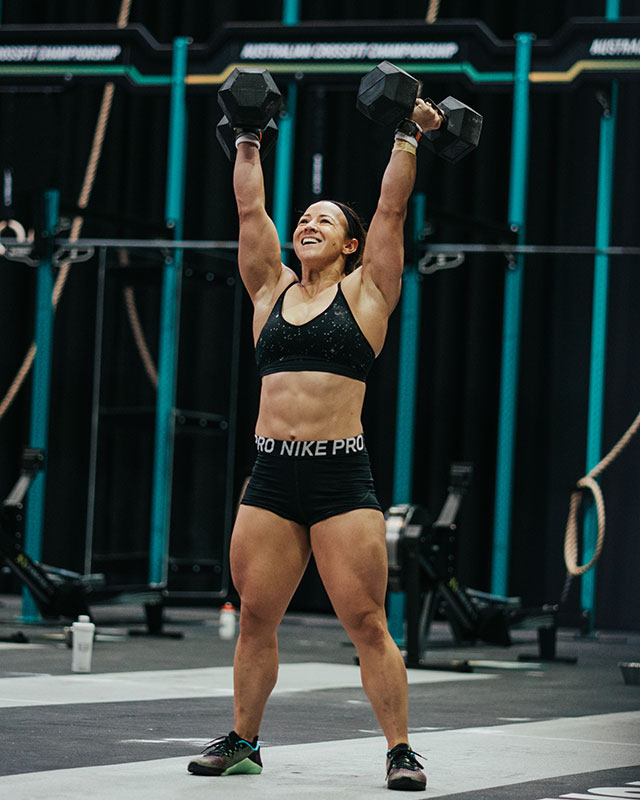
[
  {"x": 250, "y": 99},
  {"x": 459, "y": 133},
  {"x": 387, "y": 94}
]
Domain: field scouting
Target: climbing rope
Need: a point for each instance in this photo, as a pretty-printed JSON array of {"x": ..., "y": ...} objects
[
  {"x": 432, "y": 11},
  {"x": 138, "y": 335},
  {"x": 136, "y": 326},
  {"x": 78, "y": 221},
  {"x": 589, "y": 482}
]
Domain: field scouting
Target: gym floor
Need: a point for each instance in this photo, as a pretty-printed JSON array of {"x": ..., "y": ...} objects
[{"x": 508, "y": 730}]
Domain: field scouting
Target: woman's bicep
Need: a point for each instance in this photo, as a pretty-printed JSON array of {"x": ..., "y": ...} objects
[
  {"x": 259, "y": 258},
  {"x": 383, "y": 257},
  {"x": 259, "y": 247}
]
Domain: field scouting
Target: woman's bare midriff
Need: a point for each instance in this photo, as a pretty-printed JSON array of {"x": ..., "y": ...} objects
[{"x": 310, "y": 406}]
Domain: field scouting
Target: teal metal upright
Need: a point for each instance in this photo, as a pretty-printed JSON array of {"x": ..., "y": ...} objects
[
  {"x": 406, "y": 401},
  {"x": 511, "y": 321},
  {"x": 408, "y": 366},
  {"x": 599, "y": 328},
  {"x": 169, "y": 322},
  {"x": 40, "y": 393},
  {"x": 285, "y": 145}
]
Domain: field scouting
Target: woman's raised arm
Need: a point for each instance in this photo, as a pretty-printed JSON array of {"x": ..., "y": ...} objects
[
  {"x": 383, "y": 257},
  {"x": 259, "y": 247}
]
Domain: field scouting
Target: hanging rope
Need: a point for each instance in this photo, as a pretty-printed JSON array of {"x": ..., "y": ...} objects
[
  {"x": 138, "y": 335},
  {"x": 136, "y": 326},
  {"x": 432, "y": 11},
  {"x": 589, "y": 482},
  {"x": 78, "y": 221}
]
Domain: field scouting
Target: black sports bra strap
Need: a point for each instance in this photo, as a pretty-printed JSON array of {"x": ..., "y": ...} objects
[{"x": 280, "y": 299}]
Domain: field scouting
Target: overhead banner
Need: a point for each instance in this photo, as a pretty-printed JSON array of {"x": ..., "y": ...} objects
[
  {"x": 342, "y": 52},
  {"x": 320, "y": 52}
]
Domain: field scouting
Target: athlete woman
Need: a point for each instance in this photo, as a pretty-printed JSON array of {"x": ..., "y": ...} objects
[{"x": 311, "y": 488}]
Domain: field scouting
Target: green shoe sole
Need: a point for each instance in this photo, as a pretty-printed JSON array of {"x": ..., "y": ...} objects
[{"x": 244, "y": 767}]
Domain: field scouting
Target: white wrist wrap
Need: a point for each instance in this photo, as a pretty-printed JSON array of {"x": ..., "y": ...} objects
[
  {"x": 404, "y": 137},
  {"x": 249, "y": 138}
]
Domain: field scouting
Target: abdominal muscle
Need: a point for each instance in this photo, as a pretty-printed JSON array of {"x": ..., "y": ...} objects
[{"x": 310, "y": 406}]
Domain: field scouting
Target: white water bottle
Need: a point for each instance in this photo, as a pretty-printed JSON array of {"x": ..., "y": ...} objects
[
  {"x": 227, "y": 629},
  {"x": 82, "y": 633}
]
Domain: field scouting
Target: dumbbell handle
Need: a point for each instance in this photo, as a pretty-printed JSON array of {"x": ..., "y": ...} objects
[
  {"x": 410, "y": 127},
  {"x": 436, "y": 107}
]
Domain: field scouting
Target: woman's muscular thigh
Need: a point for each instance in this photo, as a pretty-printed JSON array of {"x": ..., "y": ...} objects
[
  {"x": 350, "y": 552},
  {"x": 268, "y": 557}
]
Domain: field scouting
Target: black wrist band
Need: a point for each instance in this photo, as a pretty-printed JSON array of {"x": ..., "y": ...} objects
[
  {"x": 241, "y": 131},
  {"x": 409, "y": 127}
]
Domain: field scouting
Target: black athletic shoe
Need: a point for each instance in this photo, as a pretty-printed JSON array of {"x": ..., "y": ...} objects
[
  {"x": 228, "y": 755},
  {"x": 404, "y": 770}
]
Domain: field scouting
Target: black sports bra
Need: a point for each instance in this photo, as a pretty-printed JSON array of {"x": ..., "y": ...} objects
[{"x": 330, "y": 342}]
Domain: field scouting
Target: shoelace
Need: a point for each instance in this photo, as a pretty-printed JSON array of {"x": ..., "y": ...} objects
[
  {"x": 221, "y": 745},
  {"x": 404, "y": 759},
  {"x": 224, "y": 745}
]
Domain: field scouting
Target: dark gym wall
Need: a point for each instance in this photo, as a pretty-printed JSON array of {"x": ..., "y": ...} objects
[{"x": 46, "y": 139}]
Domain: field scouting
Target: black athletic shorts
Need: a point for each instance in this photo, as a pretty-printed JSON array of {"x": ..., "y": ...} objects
[{"x": 308, "y": 482}]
